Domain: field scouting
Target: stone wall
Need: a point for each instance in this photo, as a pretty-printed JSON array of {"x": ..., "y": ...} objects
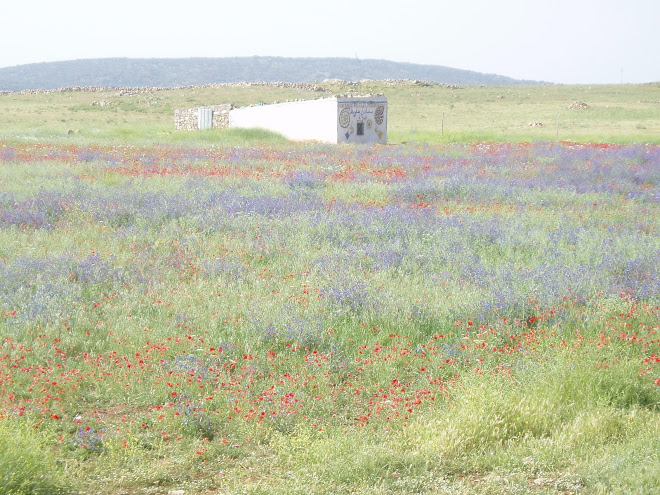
[
  {"x": 186, "y": 119},
  {"x": 221, "y": 115},
  {"x": 129, "y": 91}
]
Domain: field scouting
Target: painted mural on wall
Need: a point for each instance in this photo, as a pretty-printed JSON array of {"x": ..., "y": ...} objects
[{"x": 361, "y": 118}]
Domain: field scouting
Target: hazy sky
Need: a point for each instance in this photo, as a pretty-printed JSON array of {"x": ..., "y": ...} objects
[{"x": 564, "y": 41}]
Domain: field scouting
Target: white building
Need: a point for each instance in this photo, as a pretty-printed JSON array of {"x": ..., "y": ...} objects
[{"x": 340, "y": 119}]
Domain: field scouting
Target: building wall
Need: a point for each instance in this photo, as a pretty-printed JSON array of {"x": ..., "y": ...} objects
[
  {"x": 313, "y": 120},
  {"x": 362, "y": 120},
  {"x": 359, "y": 119},
  {"x": 187, "y": 119},
  {"x": 221, "y": 115}
]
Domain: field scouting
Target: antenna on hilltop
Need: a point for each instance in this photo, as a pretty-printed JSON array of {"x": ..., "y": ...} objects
[{"x": 359, "y": 74}]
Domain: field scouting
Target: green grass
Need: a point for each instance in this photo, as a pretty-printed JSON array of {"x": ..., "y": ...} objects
[
  {"x": 27, "y": 465},
  {"x": 417, "y": 113},
  {"x": 119, "y": 299}
]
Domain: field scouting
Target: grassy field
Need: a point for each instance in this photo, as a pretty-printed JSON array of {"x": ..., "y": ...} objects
[
  {"x": 614, "y": 113},
  {"x": 229, "y": 313}
]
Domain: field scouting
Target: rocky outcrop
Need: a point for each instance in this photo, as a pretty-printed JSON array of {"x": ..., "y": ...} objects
[{"x": 578, "y": 105}]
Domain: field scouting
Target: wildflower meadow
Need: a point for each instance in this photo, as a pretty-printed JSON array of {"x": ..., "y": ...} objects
[{"x": 314, "y": 319}]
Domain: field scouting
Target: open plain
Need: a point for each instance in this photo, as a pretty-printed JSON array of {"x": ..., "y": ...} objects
[{"x": 473, "y": 308}]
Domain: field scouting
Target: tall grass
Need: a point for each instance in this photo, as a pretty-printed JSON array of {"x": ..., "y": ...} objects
[
  {"x": 307, "y": 318},
  {"x": 27, "y": 466}
]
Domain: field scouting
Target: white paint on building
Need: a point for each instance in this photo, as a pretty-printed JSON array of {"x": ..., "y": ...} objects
[
  {"x": 298, "y": 120},
  {"x": 360, "y": 119}
]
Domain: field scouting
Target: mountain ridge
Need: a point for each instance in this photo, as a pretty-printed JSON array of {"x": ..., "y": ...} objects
[{"x": 166, "y": 72}]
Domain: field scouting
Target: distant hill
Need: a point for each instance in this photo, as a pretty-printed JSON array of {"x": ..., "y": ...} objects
[{"x": 165, "y": 72}]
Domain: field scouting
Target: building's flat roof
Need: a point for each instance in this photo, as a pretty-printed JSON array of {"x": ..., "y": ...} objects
[{"x": 370, "y": 99}]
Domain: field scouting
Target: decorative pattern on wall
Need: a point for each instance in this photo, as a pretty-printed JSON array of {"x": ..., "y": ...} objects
[
  {"x": 362, "y": 118},
  {"x": 380, "y": 114},
  {"x": 344, "y": 117}
]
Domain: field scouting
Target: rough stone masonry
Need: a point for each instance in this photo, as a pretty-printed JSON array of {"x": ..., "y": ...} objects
[{"x": 187, "y": 119}]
